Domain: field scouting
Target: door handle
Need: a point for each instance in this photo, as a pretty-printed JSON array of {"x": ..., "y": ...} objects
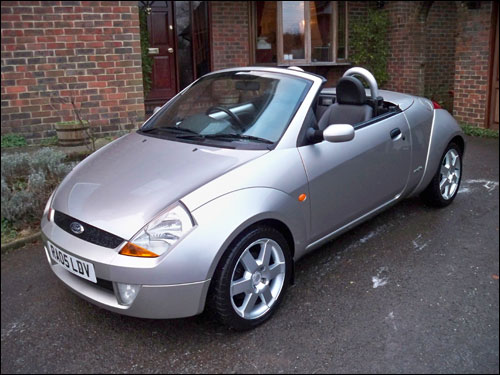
[
  {"x": 170, "y": 50},
  {"x": 395, "y": 133}
]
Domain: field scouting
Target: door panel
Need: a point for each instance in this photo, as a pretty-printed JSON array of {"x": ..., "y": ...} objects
[
  {"x": 347, "y": 180},
  {"x": 162, "y": 38}
]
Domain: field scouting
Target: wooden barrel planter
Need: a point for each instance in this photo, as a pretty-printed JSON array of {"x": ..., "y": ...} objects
[{"x": 72, "y": 133}]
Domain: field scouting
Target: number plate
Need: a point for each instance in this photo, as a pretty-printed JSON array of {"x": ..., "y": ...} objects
[{"x": 74, "y": 265}]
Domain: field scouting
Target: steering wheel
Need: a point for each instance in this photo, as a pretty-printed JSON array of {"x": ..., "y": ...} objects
[{"x": 228, "y": 112}]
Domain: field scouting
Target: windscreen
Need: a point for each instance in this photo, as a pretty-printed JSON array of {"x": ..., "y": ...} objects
[{"x": 234, "y": 107}]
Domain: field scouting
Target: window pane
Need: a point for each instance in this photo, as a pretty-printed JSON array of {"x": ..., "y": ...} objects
[
  {"x": 341, "y": 31},
  {"x": 184, "y": 55},
  {"x": 321, "y": 31},
  {"x": 293, "y": 30},
  {"x": 265, "y": 45},
  {"x": 201, "y": 40}
]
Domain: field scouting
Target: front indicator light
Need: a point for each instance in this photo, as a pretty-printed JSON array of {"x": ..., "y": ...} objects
[
  {"x": 127, "y": 293},
  {"x": 136, "y": 251}
]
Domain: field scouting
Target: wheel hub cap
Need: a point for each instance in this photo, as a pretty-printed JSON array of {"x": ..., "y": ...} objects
[{"x": 256, "y": 278}]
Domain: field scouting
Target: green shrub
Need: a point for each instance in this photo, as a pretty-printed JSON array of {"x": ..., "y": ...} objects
[
  {"x": 51, "y": 141},
  {"x": 8, "y": 233},
  {"x": 479, "y": 132},
  {"x": 27, "y": 182},
  {"x": 369, "y": 46},
  {"x": 13, "y": 140}
]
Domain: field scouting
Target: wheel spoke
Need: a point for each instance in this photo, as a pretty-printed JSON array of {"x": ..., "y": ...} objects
[
  {"x": 265, "y": 253},
  {"x": 453, "y": 188},
  {"x": 442, "y": 184},
  {"x": 249, "y": 303},
  {"x": 444, "y": 170},
  {"x": 276, "y": 269},
  {"x": 266, "y": 295},
  {"x": 242, "y": 285},
  {"x": 448, "y": 160},
  {"x": 454, "y": 157},
  {"x": 446, "y": 194},
  {"x": 249, "y": 262}
]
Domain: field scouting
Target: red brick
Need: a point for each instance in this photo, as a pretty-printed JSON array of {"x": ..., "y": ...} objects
[{"x": 15, "y": 89}]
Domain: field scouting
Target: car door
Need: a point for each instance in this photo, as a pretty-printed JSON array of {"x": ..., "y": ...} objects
[{"x": 350, "y": 179}]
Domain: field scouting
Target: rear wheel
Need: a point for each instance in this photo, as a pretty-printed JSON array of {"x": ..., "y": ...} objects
[
  {"x": 251, "y": 279},
  {"x": 444, "y": 186}
]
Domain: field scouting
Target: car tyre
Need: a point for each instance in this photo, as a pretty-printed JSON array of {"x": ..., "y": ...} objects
[
  {"x": 445, "y": 184},
  {"x": 251, "y": 279}
]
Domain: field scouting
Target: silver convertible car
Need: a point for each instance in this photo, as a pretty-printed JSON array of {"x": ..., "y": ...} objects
[{"x": 209, "y": 204}]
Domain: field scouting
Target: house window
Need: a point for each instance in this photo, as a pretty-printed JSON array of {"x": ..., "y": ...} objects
[{"x": 300, "y": 32}]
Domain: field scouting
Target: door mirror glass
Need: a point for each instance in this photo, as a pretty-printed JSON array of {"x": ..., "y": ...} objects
[
  {"x": 156, "y": 110},
  {"x": 338, "y": 133}
]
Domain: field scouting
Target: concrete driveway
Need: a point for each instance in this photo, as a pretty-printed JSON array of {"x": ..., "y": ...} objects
[{"x": 413, "y": 290}]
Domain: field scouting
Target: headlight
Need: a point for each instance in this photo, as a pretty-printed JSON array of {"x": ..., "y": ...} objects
[{"x": 161, "y": 233}]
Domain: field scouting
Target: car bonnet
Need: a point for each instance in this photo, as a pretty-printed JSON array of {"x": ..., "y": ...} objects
[{"x": 123, "y": 186}]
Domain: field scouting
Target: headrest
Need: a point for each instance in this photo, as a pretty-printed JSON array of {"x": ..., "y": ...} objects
[{"x": 350, "y": 90}]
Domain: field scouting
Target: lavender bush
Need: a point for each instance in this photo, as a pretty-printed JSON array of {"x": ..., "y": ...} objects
[{"x": 27, "y": 182}]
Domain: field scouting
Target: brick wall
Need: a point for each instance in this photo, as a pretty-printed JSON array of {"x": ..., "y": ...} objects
[
  {"x": 230, "y": 34},
  {"x": 406, "y": 47},
  {"x": 472, "y": 64},
  {"x": 86, "y": 50},
  {"x": 440, "y": 30}
]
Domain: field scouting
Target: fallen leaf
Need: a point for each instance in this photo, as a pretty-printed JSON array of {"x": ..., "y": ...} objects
[{"x": 495, "y": 277}]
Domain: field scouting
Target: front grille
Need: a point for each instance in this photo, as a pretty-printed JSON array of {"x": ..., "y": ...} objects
[{"x": 90, "y": 233}]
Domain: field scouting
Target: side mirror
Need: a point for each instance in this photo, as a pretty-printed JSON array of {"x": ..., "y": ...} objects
[
  {"x": 156, "y": 110},
  {"x": 338, "y": 133}
]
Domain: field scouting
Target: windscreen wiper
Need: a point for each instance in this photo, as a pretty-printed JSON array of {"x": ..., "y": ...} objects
[
  {"x": 170, "y": 129},
  {"x": 239, "y": 136}
]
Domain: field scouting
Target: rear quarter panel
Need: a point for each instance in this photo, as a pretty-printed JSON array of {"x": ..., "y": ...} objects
[
  {"x": 420, "y": 117},
  {"x": 444, "y": 129}
]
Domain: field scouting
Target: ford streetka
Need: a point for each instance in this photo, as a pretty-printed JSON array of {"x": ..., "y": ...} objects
[{"x": 211, "y": 202}]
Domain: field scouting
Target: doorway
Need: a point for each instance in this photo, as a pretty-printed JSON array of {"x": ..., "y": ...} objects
[{"x": 177, "y": 49}]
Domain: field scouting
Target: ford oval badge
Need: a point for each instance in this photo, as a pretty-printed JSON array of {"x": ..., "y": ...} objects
[{"x": 76, "y": 228}]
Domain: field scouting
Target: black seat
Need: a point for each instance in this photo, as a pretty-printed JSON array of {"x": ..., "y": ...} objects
[{"x": 350, "y": 106}]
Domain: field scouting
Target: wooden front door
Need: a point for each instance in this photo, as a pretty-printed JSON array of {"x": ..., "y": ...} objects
[
  {"x": 163, "y": 51},
  {"x": 494, "y": 98}
]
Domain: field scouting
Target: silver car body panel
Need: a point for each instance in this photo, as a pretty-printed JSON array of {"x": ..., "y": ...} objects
[
  {"x": 123, "y": 186},
  {"x": 444, "y": 129},
  {"x": 381, "y": 164}
]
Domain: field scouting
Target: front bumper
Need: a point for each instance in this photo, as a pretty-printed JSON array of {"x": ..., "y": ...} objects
[{"x": 154, "y": 300}]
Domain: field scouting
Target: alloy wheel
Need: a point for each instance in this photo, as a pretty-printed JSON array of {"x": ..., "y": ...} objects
[
  {"x": 449, "y": 176},
  {"x": 257, "y": 279}
]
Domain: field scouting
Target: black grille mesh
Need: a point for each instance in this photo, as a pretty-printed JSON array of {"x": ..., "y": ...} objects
[{"x": 90, "y": 234}]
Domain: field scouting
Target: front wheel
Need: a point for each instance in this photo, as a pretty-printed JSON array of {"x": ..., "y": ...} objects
[
  {"x": 444, "y": 186},
  {"x": 251, "y": 279}
]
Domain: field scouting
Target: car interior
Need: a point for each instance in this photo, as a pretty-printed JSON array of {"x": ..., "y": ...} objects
[{"x": 349, "y": 105}]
